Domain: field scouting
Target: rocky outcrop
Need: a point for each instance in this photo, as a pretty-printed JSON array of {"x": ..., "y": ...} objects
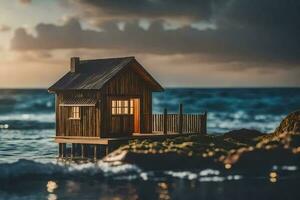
[
  {"x": 243, "y": 150},
  {"x": 279, "y": 148},
  {"x": 247, "y": 136},
  {"x": 290, "y": 124}
]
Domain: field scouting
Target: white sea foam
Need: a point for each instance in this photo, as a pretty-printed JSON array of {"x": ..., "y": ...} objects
[
  {"x": 212, "y": 179},
  {"x": 207, "y": 175},
  {"x": 24, "y": 168},
  {"x": 183, "y": 175},
  {"x": 289, "y": 167},
  {"x": 208, "y": 172}
]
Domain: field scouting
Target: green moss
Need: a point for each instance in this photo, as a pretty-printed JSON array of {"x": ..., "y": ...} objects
[{"x": 194, "y": 145}]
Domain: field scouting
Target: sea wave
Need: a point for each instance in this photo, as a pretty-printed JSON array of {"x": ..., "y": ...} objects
[
  {"x": 255, "y": 108},
  {"x": 27, "y": 121},
  {"x": 40, "y": 117},
  {"x": 23, "y": 169},
  {"x": 28, "y": 169}
]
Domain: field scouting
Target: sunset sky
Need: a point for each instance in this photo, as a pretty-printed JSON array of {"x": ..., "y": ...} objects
[{"x": 183, "y": 43}]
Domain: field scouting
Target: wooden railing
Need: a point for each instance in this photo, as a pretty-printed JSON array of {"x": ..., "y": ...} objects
[{"x": 179, "y": 123}]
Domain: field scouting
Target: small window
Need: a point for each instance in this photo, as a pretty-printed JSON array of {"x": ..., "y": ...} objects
[
  {"x": 74, "y": 112},
  {"x": 122, "y": 107}
]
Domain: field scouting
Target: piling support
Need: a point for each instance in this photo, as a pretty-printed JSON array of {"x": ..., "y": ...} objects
[
  {"x": 59, "y": 150},
  {"x": 63, "y": 150},
  {"x": 72, "y": 150},
  {"x": 82, "y": 151},
  {"x": 95, "y": 152},
  {"x": 106, "y": 150}
]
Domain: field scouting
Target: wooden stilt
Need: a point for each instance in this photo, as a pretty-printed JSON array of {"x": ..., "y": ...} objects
[
  {"x": 82, "y": 150},
  {"x": 63, "y": 150},
  {"x": 106, "y": 150},
  {"x": 72, "y": 150},
  {"x": 95, "y": 152},
  {"x": 59, "y": 150}
]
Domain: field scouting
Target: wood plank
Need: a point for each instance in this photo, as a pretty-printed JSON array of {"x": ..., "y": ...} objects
[{"x": 80, "y": 140}]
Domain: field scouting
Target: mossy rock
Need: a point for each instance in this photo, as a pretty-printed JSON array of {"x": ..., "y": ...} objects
[{"x": 290, "y": 124}]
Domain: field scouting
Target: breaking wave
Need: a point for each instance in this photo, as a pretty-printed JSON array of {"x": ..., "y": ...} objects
[
  {"x": 23, "y": 169},
  {"x": 28, "y": 169}
]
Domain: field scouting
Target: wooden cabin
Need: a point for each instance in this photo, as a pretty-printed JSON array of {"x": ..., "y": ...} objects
[{"x": 103, "y": 99}]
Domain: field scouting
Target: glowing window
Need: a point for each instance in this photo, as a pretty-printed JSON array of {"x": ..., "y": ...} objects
[
  {"x": 74, "y": 112},
  {"x": 122, "y": 107}
]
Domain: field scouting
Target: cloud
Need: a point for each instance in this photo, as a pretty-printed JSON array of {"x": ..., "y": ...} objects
[
  {"x": 225, "y": 43},
  {"x": 150, "y": 9},
  {"x": 266, "y": 14},
  {"x": 25, "y": 1},
  {"x": 4, "y": 28}
]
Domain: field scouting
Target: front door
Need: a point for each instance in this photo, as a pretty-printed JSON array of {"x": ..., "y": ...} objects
[{"x": 136, "y": 115}]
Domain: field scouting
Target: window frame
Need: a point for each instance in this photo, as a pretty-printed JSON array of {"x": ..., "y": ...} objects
[
  {"x": 74, "y": 113},
  {"x": 122, "y": 106}
]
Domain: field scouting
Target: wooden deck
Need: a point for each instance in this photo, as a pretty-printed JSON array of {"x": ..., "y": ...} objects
[
  {"x": 163, "y": 126},
  {"x": 109, "y": 144},
  {"x": 106, "y": 141}
]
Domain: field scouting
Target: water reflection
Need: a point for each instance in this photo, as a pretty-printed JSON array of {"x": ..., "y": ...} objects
[
  {"x": 233, "y": 187},
  {"x": 227, "y": 166},
  {"x": 52, "y": 197},
  {"x": 273, "y": 177},
  {"x": 51, "y": 186},
  {"x": 163, "y": 191}
]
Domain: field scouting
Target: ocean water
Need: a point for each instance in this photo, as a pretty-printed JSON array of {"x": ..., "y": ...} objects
[{"x": 29, "y": 170}]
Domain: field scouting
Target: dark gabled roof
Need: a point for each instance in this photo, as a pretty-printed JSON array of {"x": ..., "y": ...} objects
[{"x": 93, "y": 74}]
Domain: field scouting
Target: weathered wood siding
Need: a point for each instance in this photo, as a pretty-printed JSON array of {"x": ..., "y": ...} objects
[
  {"x": 89, "y": 123},
  {"x": 98, "y": 121},
  {"x": 127, "y": 84}
]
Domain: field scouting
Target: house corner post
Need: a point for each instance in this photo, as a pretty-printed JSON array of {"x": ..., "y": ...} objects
[
  {"x": 205, "y": 123},
  {"x": 180, "y": 118},
  {"x": 165, "y": 121}
]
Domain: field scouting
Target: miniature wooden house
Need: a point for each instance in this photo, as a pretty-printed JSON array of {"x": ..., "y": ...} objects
[{"x": 102, "y": 100}]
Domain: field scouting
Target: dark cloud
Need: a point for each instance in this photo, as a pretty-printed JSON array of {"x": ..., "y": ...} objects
[
  {"x": 270, "y": 14},
  {"x": 234, "y": 43},
  {"x": 4, "y": 28},
  {"x": 263, "y": 13},
  {"x": 192, "y": 9},
  {"x": 253, "y": 30}
]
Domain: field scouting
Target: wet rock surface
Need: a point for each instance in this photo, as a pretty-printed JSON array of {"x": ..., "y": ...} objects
[
  {"x": 245, "y": 151},
  {"x": 290, "y": 124}
]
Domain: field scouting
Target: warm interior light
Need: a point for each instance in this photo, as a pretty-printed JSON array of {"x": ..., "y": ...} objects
[
  {"x": 273, "y": 174},
  {"x": 227, "y": 166},
  {"x": 122, "y": 107}
]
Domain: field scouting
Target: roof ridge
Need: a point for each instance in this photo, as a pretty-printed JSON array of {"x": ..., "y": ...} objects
[{"x": 111, "y": 58}]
